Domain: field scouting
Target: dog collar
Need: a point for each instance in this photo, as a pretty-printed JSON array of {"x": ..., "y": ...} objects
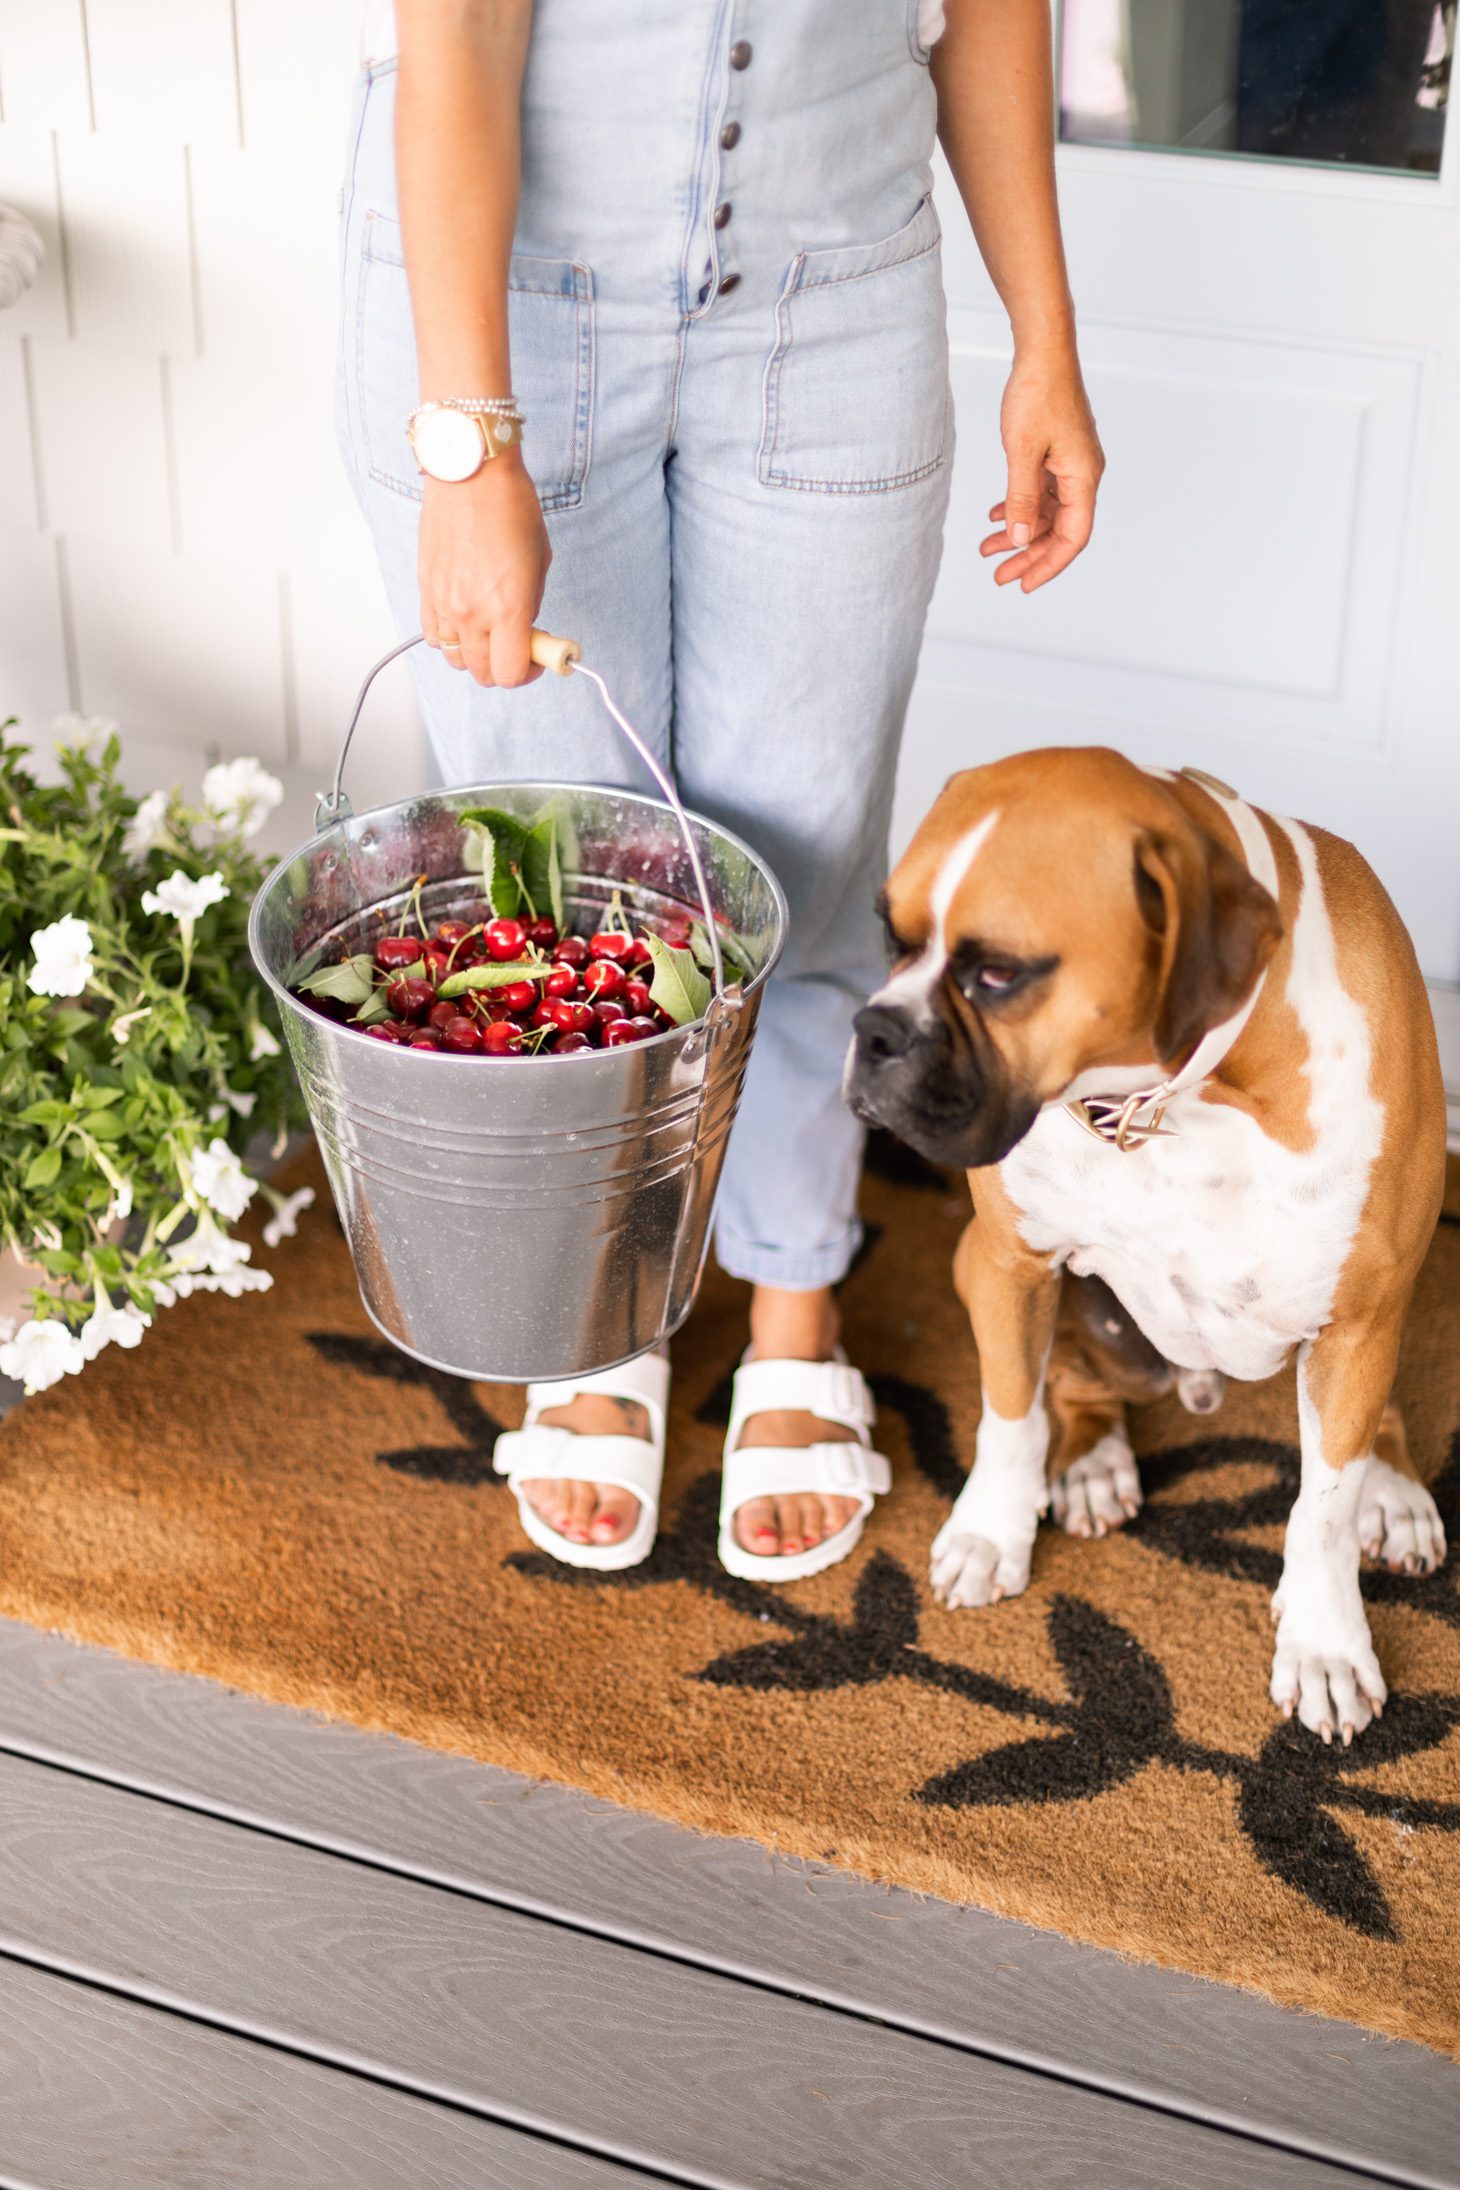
[{"x": 1122, "y": 1120}]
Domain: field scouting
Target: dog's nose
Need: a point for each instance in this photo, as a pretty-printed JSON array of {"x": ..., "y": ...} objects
[{"x": 882, "y": 1034}]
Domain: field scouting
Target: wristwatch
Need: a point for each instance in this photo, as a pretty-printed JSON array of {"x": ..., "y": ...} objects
[{"x": 454, "y": 438}]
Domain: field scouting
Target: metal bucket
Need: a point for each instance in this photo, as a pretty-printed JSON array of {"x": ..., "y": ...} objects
[{"x": 529, "y": 1218}]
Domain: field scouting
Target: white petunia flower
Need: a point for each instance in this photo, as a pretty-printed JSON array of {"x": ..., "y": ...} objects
[
  {"x": 63, "y": 962},
  {"x": 146, "y": 826},
  {"x": 122, "y": 1028},
  {"x": 84, "y": 732},
  {"x": 235, "y": 1283},
  {"x": 261, "y": 1043},
  {"x": 185, "y": 899},
  {"x": 219, "y": 1179},
  {"x": 207, "y": 1247},
  {"x": 241, "y": 795},
  {"x": 120, "y": 1205},
  {"x": 40, "y": 1354},
  {"x": 112, "y": 1327},
  {"x": 243, "y": 1104},
  {"x": 284, "y": 1223}
]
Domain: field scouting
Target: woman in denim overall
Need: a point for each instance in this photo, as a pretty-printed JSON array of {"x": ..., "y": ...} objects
[{"x": 696, "y": 240}]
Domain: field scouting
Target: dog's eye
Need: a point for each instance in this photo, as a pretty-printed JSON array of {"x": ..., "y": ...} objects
[{"x": 997, "y": 980}]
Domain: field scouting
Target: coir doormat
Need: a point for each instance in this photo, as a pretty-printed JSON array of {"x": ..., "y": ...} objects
[{"x": 266, "y": 1492}]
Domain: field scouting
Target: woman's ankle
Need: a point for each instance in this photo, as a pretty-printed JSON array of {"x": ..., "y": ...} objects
[{"x": 799, "y": 1326}]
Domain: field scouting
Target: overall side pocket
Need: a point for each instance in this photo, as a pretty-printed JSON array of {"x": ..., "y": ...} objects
[
  {"x": 550, "y": 323},
  {"x": 856, "y": 392}
]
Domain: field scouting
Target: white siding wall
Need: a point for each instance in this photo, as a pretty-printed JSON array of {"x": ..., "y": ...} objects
[{"x": 178, "y": 547}]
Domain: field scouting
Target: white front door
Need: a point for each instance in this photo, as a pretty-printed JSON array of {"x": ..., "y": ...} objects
[{"x": 1273, "y": 351}]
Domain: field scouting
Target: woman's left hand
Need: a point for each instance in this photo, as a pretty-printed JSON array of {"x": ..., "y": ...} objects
[{"x": 1055, "y": 464}]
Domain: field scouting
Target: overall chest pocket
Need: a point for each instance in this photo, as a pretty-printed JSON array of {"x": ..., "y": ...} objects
[
  {"x": 856, "y": 393},
  {"x": 550, "y": 325}
]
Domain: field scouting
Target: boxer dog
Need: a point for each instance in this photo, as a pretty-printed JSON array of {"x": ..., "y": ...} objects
[{"x": 1184, "y": 1048}]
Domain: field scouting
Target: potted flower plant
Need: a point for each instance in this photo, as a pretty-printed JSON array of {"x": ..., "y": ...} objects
[{"x": 139, "y": 1057}]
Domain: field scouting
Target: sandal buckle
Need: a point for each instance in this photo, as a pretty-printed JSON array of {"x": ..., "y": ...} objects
[{"x": 848, "y": 1390}]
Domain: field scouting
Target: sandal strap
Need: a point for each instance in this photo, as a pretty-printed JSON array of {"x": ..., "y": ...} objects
[
  {"x": 644, "y": 1381},
  {"x": 782, "y": 1471},
  {"x": 831, "y": 1390},
  {"x": 629, "y": 1463}
]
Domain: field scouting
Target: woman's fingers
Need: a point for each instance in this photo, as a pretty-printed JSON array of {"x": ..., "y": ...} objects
[
  {"x": 512, "y": 662},
  {"x": 1025, "y": 490}
]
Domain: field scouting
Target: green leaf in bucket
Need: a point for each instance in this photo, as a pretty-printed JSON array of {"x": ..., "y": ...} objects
[
  {"x": 732, "y": 949},
  {"x": 678, "y": 986},
  {"x": 500, "y": 846},
  {"x": 494, "y": 976},
  {"x": 351, "y": 982},
  {"x": 374, "y": 1009},
  {"x": 542, "y": 873}
]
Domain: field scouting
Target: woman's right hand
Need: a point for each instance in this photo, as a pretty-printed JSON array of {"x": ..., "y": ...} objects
[{"x": 483, "y": 563}]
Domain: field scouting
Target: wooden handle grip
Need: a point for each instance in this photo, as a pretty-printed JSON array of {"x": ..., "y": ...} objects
[{"x": 551, "y": 652}]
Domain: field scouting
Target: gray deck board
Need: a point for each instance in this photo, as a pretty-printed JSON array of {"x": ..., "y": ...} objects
[
  {"x": 1027, "y": 1997},
  {"x": 96, "y": 2091},
  {"x": 625, "y": 2054}
]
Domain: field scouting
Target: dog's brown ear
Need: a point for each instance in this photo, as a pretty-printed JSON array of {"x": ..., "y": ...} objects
[{"x": 1216, "y": 927}]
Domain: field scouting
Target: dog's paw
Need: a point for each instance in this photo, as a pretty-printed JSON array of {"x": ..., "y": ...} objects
[
  {"x": 1399, "y": 1523},
  {"x": 1325, "y": 1670},
  {"x": 983, "y": 1550},
  {"x": 1099, "y": 1491}
]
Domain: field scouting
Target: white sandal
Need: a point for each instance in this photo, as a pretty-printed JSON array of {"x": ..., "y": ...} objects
[
  {"x": 834, "y": 1392},
  {"x": 539, "y": 1451}
]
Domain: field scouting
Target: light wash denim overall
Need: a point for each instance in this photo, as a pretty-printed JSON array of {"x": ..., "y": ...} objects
[{"x": 728, "y": 335}]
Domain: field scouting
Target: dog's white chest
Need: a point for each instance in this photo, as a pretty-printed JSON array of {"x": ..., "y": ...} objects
[{"x": 1224, "y": 1245}]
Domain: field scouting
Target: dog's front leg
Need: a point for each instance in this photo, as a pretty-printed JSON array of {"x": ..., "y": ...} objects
[
  {"x": 1324, "y": 1666},
  {"x": 982, "y": 1552}
]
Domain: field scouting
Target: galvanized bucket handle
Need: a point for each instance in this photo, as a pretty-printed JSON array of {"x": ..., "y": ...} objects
[{"x": 564, "y": 658}]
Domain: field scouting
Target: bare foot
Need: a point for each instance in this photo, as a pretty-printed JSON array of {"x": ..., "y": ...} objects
[
  {"x": 589, "y": 1513},
  {"x": 792, "y": 1327}
]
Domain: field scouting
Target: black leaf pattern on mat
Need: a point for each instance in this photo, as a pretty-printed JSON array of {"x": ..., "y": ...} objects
[
  {"x": 469, "y": 1462},
  {"x": 1116, "y": 1717}
]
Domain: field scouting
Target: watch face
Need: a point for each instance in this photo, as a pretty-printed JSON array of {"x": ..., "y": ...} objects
[{"x": 448, "y": 444}]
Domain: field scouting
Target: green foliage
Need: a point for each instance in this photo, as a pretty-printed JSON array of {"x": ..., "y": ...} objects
[
  {"x": 678, "y": 986},
  {"x": 172, "y": 1045}
]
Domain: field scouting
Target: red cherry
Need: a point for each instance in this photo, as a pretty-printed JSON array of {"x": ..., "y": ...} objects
[
  {"x": 607, "y": 1010},
  {"x": 571, "y": 951},
  {"x": 647, "y": 1027},
  {"x": 544, "y": 933},
  {"x": 622, "y": 1032},
  {"x": 638, "y": 953},
  {"x": 410, "y": 999},
  {"x": 571, "y": 1045},
  {"x": 505, "y": 939},
  {"x": 436, "y": 958},
  {"x": 562, "y": 981},
  {"x": 442, "y": 1013},
  {"x": 545, "y": 1015},
  {"x": 501, "y": 1038},
  {"x": 424, "y": 1038},
  {"x": 395, "y": 952},
  {"x": 462, "y": 1035},
  {"x": 637, "y": 997},
  {"x": 519, "y": 995},
  {"x": 469, "y": 953},
  {"x": 572, "y": 1018},
  {"x": 451, "y": 931},
  {"x": 388, "y": 1030},
  {"x": 610, "y": 943},
  {"x": 604, "y": 978}
]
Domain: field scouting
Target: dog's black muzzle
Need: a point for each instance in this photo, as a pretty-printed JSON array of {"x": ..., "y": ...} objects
[{"x": 923, "y": 1079}]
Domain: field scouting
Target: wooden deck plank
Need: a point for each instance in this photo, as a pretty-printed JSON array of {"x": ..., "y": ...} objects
[
  {"x": 626, "y": 2054},
  {"x": 1033, "y": 1998},
  {"x": 94, "y": 2089}
]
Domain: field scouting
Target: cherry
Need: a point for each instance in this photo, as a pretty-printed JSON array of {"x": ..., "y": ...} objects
[
  {"x": 647, "y": 1028},
  {"x": 624, "y": 1031},
  {"x": 637, "y": 997},
  {"x": 571, "y": 1045},
  {"x": 442, "y": 1013},
  {"x": 393, "y": 953},
  {"x": 572, "y": 1018},
  {"x": 505, "y": 939},
  {"x": 610, "y": 943},
  {"x": 604, "y": 978},
  {"x": 410, "y": 999},
  {"x": 462, "y": 1034},
  {"x": 606, "y": 1010},
  {"x": 451, "y": 931},
  {"x": 519, "y": 995},
  {"x": 543, "y": 933},
  {"x": 544, "y": 1014},
  {"x": 562, "y": 981},
  {"x": 388, "y": 1030},
  {"x": 638, "y": 953},
  {"x": 437, "y": 958},
  {"x": 424, "y": 1038},
  {"x": 470, "y": 953},
  {"x": 571, "y": 951},
  {"x": 501, "y": 1038}
]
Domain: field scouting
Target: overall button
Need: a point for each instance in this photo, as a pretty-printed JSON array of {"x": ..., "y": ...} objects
[
  {"x": 740, "y": 53},
  {"x": 730, "y": 136},
  {"x": 722, "y": 215},
  {"x": 727, "y": 283}
]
